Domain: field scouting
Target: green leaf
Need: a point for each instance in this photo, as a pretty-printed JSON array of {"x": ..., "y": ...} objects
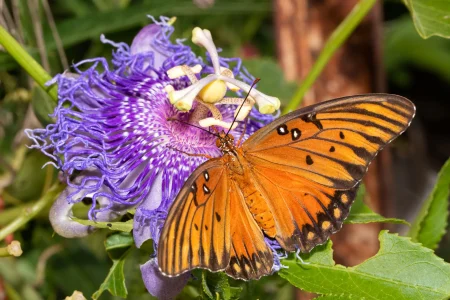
[
  {"x": 429, "y": 227},
  {"x": 90, "y": 26},
  {"x": 361, "y": 214},
  {"x": 216, "y": 286},
  {"x": 405, "y": 48},
  {"x": 431, "y": 17},
  {"x": 43, "y": 105},
  {"x": 272, "y": 81},
  {"x": 400, "y": 270},
  {"x": 118, "y": 241},
  {"x": 335, "y": 297},
  {"x": 115, "y": 281},
  {"x": 235, "y": 292},
  {"x": 116, "y": 226},
  {"x": 371, "y": 217},
  {"x": 30, "y": 178}
]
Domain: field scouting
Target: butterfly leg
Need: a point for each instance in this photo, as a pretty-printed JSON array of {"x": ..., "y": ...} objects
[{"x": 243, "y": 132}]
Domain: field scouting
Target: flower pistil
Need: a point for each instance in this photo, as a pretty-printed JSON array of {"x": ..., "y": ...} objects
[{"x": 211, "y": 90}]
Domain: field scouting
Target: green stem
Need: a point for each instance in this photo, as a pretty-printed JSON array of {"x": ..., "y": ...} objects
[
  {"x": 337, "y": 38},
  {"x": 27, "y": 62},
  {"x": 30, "y": 212},
  {"x": 9, "y": 214}
]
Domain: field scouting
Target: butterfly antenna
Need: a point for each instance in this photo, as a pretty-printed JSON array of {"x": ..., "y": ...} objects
[
  {"x": 189, "y": 124},
  {"x": 243, "y": 102}
]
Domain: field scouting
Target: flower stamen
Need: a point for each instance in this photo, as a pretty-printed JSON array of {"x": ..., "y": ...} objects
[{"x": 211, "y": 90}]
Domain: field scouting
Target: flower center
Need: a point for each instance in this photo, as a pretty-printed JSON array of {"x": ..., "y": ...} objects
[{"x": 210, "y": 91}]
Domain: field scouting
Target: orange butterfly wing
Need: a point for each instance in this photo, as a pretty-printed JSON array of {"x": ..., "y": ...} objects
[
  {"x": 308, "y": 163},
  {"x": 251, "y": 258},
  {"x": 196, "y": 233},
  {"x": 199, "y": 233},
  {"x": 306, "y": 167}
]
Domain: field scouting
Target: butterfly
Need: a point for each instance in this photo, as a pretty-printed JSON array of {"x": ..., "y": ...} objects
[{"x": 293, "y": 180}]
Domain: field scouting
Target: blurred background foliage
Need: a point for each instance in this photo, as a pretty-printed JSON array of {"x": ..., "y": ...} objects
[{"x": 53, "y": 267}]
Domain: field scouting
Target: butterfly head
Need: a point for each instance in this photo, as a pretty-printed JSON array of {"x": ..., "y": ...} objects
[{"x": 225, "y": 142}]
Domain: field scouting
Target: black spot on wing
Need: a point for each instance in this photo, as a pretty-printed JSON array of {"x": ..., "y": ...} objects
[
  {"x": 309, "y": 160},
  {"x": 282, "y": 129},
  {"x": 311, "y": 118},
  {"x": 218, "y": 217},
  {"x": 206, "y": 190},
  {"x": 295, "y": 134}
]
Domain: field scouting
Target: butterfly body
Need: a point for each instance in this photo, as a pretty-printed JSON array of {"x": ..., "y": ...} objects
[
  {"x": 292, "y": 181},
  {"x": 240, "y": 171}
]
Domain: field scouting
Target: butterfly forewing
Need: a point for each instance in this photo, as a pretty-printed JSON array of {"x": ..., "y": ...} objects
[
  {"x": 332, "y": 143},
  {"x": 209, "y": 226},
  {"x": 308, "y": 163},
  {"x": 197, "y": 229}
]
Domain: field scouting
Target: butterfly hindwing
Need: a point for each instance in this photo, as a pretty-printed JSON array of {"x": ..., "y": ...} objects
[
  {"x": 308, "y": 163},
  {"x": 305, "y": 213},
  {"x": 197, "y": 230},
  {"x": 251, "y": 258}
]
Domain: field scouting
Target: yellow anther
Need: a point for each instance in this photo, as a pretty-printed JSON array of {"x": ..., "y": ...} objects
[
  {"x": 183, "y": 106},
  {"x": 267, "y": 109},
  {"x": 213, "y": 91},
  {"x": 170, "y": 92}
]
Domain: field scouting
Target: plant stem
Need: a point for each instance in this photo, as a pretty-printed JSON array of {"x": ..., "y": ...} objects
[
  {"x": 30, "y": 212},
  {"x": 9, "y": 214},
  {"x": 337, "y": 38},
  {"x": 33, "y": 68}
]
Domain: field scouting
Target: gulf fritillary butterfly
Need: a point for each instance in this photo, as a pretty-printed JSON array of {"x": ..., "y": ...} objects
[{"x": 293, "y": 180}]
